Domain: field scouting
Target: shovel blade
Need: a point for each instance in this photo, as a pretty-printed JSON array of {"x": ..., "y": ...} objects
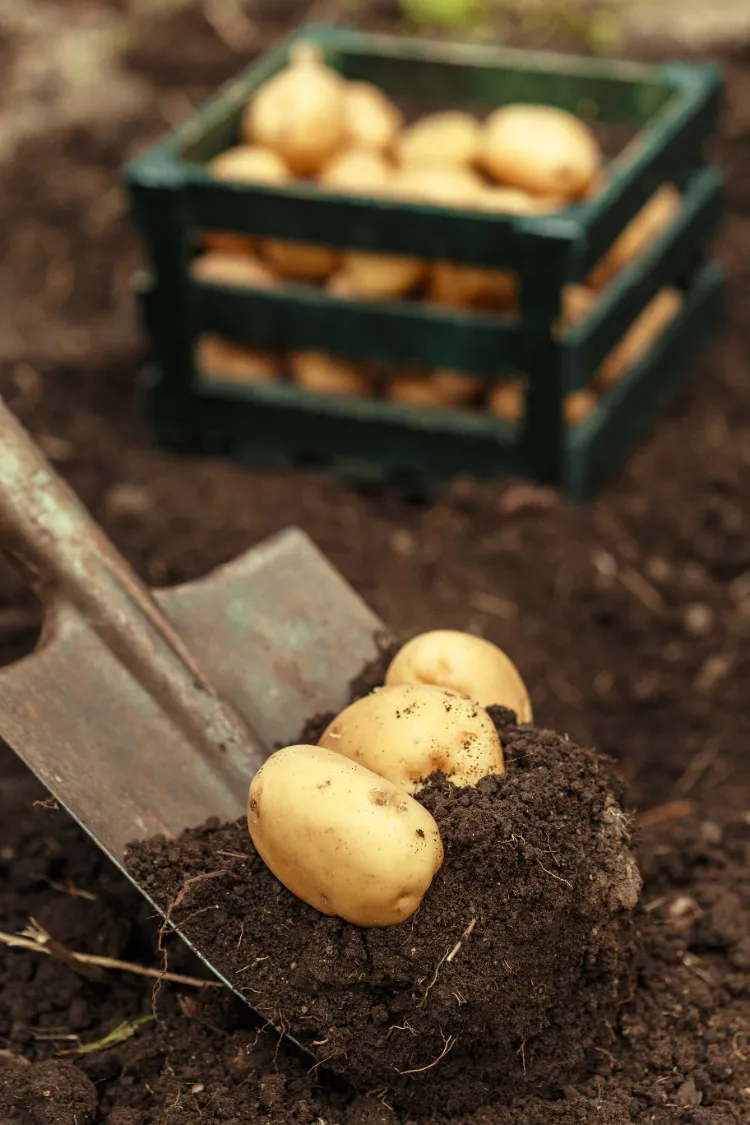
[{"x": 280, "y": 634}]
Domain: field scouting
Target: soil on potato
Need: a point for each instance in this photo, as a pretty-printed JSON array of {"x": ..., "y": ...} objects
[
  {"x": 503, "y": 983},
  {"x": 629, "y": 620}
]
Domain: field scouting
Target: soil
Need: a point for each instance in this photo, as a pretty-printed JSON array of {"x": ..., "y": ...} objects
[
  {"x": 538, "y": 873},
  {"x": 629, "y": 619}
]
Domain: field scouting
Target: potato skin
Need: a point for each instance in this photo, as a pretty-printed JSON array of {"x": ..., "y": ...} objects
[
  {"x": 341, "y": 838},
  {"x": 463, "y": 663},
  {"x": 408, "y": 731}
]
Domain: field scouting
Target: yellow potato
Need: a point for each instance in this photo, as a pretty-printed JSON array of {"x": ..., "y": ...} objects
[
  {"x": 463, "y": 663},
  {"x": 577, "y": 303},
  {"x": 654, "y": 217},
  {"x": 300, "y": 261},
  {"x": 380, "y": 277},
  {"x": 438, "y": 388},
  {"x": 440, "y": 185},
  {"x": 513, "y": 201},
  {"x": 577, "y": 405},
  {"x": 371, "y": 119},
  {"x": 224, "y": 242},
  {"x": 407, "y": 731},
  {"x": 218, "y": 358},
  {"x": 469, "y": 286},
  {"x": 642, "y": 334},
  {"x": 451, "y": 138},
  {"x": 341, "y": 838},
  {"x": 357, "y": 170},
  {"x": 541, "y": 149},
  {"x": 249, "y": 164},
  {"x": 222, "y": 268},
  {"x": 327, "y": 375},
  {"x": 300, "y": 112},
  {"x": 507, "y": 400}
]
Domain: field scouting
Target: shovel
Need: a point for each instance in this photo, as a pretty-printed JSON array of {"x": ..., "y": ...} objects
[{"x": 148, "y": 712}]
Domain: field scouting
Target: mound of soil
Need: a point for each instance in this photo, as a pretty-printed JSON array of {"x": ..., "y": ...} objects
[{"x": 504, "y": 979}]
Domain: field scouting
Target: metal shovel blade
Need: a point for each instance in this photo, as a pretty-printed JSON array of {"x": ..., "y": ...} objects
[{"x": 145, "y": 712}]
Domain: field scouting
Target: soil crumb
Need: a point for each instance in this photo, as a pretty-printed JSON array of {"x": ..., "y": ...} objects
[{"x": 505, "y": 980}]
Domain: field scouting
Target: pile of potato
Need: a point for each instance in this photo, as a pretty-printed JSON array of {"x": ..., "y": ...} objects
[
  {"x": 337, "y": 823},
  {"x": 309, "y": 123}
]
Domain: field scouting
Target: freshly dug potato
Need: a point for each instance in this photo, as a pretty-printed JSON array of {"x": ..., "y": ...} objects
[
  {"x": 300, "y": 112},
  {"x": 357, "y": 171},
  {"x": 448, "y": 138},
  {"x": 407, "y": 731},
  {"x": 327, "y": 375},
  {"x": 653, "y": 218},
  {"x": 300, "y": 261},
  {"x": 463, "y": 663},
  {"x": 343, "y": 839},
  {"x": 371, "y": 119},
  {"x": 642, "y": 334},
  {"x": 225, "y": 242},
  {"x": 472, "y": 287},
  {"x": 444, "y": 389},
  {"x": 222, "y": 359},
  {"x": 578, "y": 405},
  {"x": 440, "y": 185},
  {"x": 380, "y": 277},
  {"x": 506, "y": 400},
  {"x": 540, "y": 149},
  {"x": 249, "y": 164},
  {"x": 221, "y": 268}
]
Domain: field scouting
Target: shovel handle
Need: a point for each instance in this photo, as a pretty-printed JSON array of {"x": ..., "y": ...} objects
[{"x": 66, "y": 557}]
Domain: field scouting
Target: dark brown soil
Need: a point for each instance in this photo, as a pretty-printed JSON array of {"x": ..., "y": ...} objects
[
  {"x": 538, "y": 867},
  {"x": 629, "y": 620}
]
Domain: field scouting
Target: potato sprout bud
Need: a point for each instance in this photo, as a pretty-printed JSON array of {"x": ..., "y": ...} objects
[
  {"x": 371, "y": 119},
  {"x": 464, "y": 663},
  {"x": 341, "y": 838},
  {"x": 300, "y": 112},
  {"x": 449, "y": 138},
  {"x": 540, "y": 149},
  {"x": 222, "y": 359},
  {"x": 327, "y": 375},
  {"x": 407, "y": 731}
]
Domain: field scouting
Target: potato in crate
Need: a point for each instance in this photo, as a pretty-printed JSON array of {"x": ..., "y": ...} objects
[{"x": 401, "y": 257}]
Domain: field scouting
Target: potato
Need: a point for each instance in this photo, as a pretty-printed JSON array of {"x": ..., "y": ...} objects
[
  {"x": 507, "y": 400},
  {"x": 577, "y": 405},
  {"x": 300, "y": 261},
  {"x": 222, "y": 359},
  {"x": 448, "y": 138},
  {"x": 639, "y": 338},
  {"x": 463, "y": 663},
  {"x": 328, "y": 375},
  {"x": 513, "y": 201},
  {"x": 380, "y": 277},
  {"x": 406, "y": 731},
  {"x": 653, "y": 218},
  {"x": 446, "y": 389},
  {"x": 357, "y": 171},
  {"x": 439, "y": 185},
  {"x": 232, "y": 269},
  {"x": 341, "y": 838},
  {"x": 249, "y": 164},
  {"x": 541, "y": 149},
  {"x": 469, "y": 286},
  {"x": 577, "y": 303},
  {"x": 372, "y": 120},
  {"x": 225, "y": 242}
]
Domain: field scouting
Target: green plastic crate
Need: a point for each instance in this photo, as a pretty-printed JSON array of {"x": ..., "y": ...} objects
[{"x": 673, "y": 107}]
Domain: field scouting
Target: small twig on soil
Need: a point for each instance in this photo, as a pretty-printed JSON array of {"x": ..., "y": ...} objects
[
  {"x": 235, "y": 855},
  {"x": 48, "y": 803},
  {"x": 558, "y": 877},
  {"x": 118, "y": 1034},
  {"x": 643, "y": 590},
  {"x": 39, "y": 944},
  {"x": 457, "y": 947},
  {"x": 522, "y": 1053},
  {"x": 698, "y": 765},
  {"x": 64, "y": 888},
  {"x": 450, "y": 1043},
  {"x": 662, "y": 814}
]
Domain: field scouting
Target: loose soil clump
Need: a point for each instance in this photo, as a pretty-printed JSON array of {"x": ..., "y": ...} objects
[{"x": 505, "y": 979}]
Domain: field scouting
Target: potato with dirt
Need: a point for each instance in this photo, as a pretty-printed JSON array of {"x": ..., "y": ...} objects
[
  {"x": 406, "y": 732},
  {"x": 342, "y": 838},
  {"x": 463, "y": 663}
]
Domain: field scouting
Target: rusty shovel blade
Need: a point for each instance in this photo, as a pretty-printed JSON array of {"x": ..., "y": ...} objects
[{"x": 148, "y": 712}]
